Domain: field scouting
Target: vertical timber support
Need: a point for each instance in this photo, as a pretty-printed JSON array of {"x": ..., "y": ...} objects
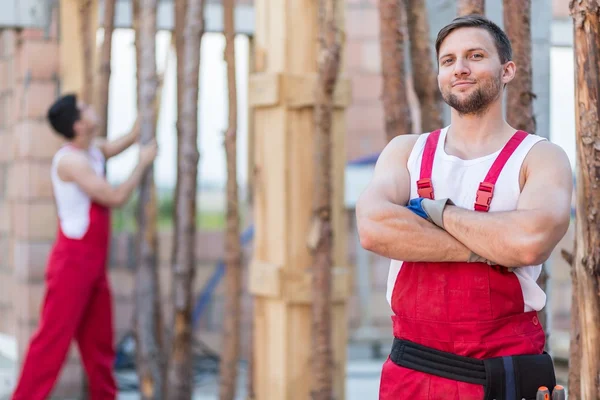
[
  {"x": 72, "y": 74},
  {"x": 282, "y": 97}
]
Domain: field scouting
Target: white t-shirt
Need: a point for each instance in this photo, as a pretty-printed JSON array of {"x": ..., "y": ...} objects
[
  {"x": 458, "y": 180},
  {"x": 72, "y": 204}
]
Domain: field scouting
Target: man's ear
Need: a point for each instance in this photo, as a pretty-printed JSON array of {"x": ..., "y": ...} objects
[
  {"x": 509, "y": 71},
  {"x": 77, "y": 126}
]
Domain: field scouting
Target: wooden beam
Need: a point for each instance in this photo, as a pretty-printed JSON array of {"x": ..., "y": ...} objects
[
  {"x": 281, "y": 95},
  {"x": 71, "y": 47},
  {"x": 293, "y": 286},
  {"x": 294, "y": 90}
]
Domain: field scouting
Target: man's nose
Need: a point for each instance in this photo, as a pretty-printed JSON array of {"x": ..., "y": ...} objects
[{"x": 461, "y": 68}]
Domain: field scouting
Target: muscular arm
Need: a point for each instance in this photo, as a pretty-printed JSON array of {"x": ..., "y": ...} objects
[
  {"x": 114, "y": 147},
  {"x": 527, "y": 235},
  {"x": 386, "y": 227},
  {"x": 75, "y": 168}
]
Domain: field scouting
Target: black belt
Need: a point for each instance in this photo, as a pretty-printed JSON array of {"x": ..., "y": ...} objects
[{"x": 503, "y": 378}]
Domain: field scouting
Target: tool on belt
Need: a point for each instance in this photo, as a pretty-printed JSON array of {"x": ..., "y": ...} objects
[
  {"x": 543, "y": 393},
  {"x": 503, "y": 378},
  {"x": 558, "y": 393}
]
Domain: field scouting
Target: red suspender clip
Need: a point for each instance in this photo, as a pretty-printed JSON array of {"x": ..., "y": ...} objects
[
  {"x": 424, "y": 185},
  {"x": 486, "y": 188},
  {"x": 424, "y": 188},
  {"x": 484, "y": 196}
]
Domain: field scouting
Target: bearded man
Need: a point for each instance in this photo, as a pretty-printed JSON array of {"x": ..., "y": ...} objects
[{"x": 467, "y": 214}]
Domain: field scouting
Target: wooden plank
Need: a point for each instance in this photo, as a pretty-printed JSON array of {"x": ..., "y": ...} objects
[
  {"x": 302, "y": 39},
  {"x": 270, "y": 184},
  {"x": 70, "y": 45},
  {"x": 298, "y": 360},
  {"x": 264, "y": 90},
  {"x": 297, "y": 286},
  {"x": 271, "y": 349},
  {"x": 301, "y": 173},
  {"x": 282, "y": 102},
  {"x": 264, "y": 279},
  {"x": 339, "y": 340},
  {"x": 71, "y": 51},
  {"x": 300, "y": 91},
  {"x": 293, "y": 285},
  {"x": 340, "y": 216}
]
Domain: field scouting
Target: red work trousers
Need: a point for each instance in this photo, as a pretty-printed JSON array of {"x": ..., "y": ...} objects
[{"x": 77, "y": 305}]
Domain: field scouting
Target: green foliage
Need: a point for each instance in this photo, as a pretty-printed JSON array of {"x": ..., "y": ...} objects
[{"x": 124, "y": 219}]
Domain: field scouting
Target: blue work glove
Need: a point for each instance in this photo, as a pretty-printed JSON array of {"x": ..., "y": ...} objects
[
  {"x": 415, "y": 205},
  {"x": 431, "y": 210}
]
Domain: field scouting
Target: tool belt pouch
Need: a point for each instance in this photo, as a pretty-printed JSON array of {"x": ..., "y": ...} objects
[
  {"x": 518, "y": 377},
  {"x": 503, "y": 378}
]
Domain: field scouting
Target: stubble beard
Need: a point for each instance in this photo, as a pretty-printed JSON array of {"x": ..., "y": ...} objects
[{"x": 478, "y": 102}]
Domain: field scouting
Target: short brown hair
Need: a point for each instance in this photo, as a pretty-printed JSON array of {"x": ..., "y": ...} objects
[{"x": 503, "y": 45}]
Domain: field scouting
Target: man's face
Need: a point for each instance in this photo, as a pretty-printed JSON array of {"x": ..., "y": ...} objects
[
  {"x": 88, "y": 120},
  {"x": 470, "y": 74}
]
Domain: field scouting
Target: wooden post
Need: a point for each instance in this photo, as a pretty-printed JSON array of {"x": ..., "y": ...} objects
[
  {"x": 230, "y": 353},
  {"x": 282, "y": 93},
  {"x": 466, "y": 7},
  {"x": 424, "y": 69},
  {"x": 392, "y": 39},
  {"x": 586, "y": 32},
  {"x": 72, "y": 66}
]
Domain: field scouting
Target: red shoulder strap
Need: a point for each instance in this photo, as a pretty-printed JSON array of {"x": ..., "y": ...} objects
[
  {"x": 485, "y": 192},
  {"x": 424, "y": 186}
]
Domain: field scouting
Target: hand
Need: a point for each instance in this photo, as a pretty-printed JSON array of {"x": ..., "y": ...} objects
[
  {"x": 431, "y": 210},
  {"x": 477, "y": 258},
  {"x": 416, "y": 206},
  {"x": 148, "y": 153}
]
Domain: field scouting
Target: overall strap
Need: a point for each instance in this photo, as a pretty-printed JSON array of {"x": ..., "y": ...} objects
[
  {"x": 424, "y": 186},
  {"x": 485, "y": 192}
]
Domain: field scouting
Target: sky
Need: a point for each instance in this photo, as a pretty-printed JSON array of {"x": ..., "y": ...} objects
[
  {"x": 562, "y": 100},
  {"x": 212, "y": 115}
]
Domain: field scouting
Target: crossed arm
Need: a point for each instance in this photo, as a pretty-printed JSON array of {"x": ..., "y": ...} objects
[{"x": 517, "y": 238}]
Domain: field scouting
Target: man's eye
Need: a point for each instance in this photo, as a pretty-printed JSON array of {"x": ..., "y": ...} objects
[
  {"x": 446, "y": 61},
  {"x": 478, "y": 55}
]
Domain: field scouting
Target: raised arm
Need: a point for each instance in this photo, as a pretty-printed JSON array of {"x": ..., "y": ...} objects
[
  {"x": 528, "y": 235},
  {"x": 386, "y": 227},
  {"x": 111, "y": 148},
  {"x": 75, "y": 168}
]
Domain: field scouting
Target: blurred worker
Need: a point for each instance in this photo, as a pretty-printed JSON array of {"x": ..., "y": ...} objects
[
  {"x": 77, "y": 303},
  {"x": 468, "y": 214}
]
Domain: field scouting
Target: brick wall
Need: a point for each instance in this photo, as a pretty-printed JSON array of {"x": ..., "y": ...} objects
[
  {"x": 364, "y": 117},
  {"x": 29, "y": 69},
  {"x": 7, "y": 50}
]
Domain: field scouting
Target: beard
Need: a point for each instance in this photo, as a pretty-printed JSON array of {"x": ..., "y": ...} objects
[{"x": 478, "y": 101}]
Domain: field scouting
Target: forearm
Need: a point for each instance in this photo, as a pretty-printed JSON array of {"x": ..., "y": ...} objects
[
  {"x": 394, "y": 232},
  {"x": 508, "y": 238},
  {"x": 117, "y": 146},
  {"x": 124, "y": 190}
]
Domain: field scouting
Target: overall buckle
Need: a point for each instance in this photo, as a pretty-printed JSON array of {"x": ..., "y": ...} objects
[
  {"x": 484, "y": 196},
  {"x": 425, "y": 188}
]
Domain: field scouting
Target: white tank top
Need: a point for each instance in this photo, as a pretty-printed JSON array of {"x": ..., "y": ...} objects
[
  {"x": 458, "y": 180},
  {"x": 72, "y": 204}
]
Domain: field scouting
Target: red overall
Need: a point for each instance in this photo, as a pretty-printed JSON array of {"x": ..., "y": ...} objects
[
  {"x": 77, "y": 305},
  {"x": 469, "y": 309}
]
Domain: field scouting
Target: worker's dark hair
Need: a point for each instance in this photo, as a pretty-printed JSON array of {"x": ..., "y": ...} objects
[
  {"x": 63, "y": 114},
  {"x": 503, "y": 45}
]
